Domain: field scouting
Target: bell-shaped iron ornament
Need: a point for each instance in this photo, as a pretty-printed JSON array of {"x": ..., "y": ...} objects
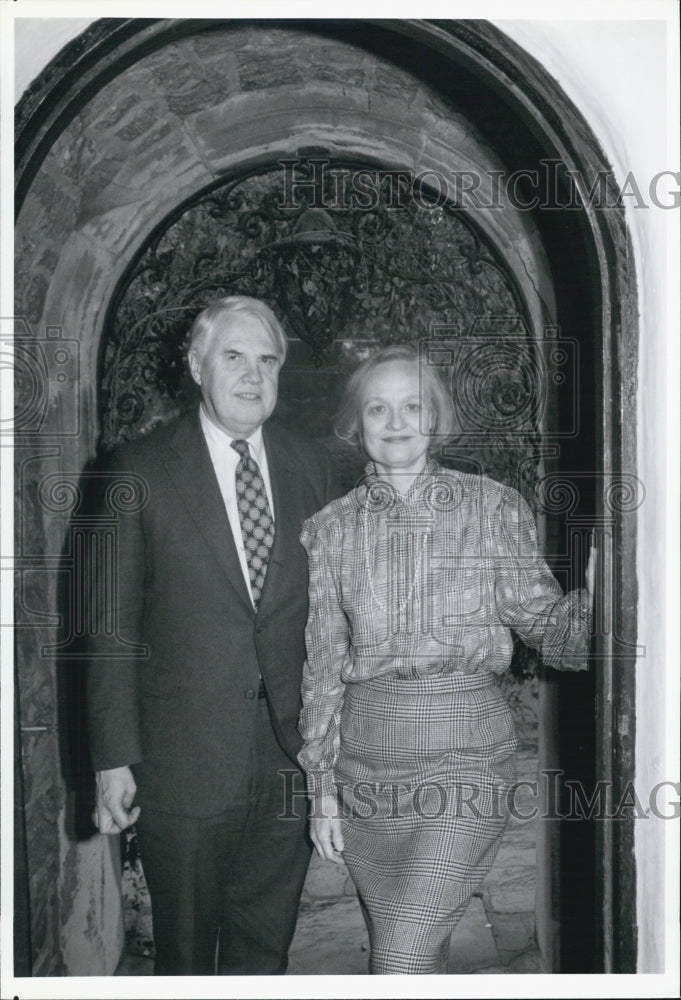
[{"x": 315, "y": 270}]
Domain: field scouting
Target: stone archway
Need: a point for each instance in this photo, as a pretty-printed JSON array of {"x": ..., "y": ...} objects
[{"x": 150, "y": 113}]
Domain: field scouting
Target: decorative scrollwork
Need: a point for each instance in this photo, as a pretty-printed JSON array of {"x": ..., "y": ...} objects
[
  {"x": 356, "y": 259},
  {"x": 625, "y": 494},
  {"x": 557, "y": 495},
  {"x": 498, "y": 385},
  {"x": 442, "y": 494},
  {"x": 127, "y": 493},
  {"x": 59, "y": 495},
  {"x": 31, "y": 379},
  {"x": 381, "y": 497}
]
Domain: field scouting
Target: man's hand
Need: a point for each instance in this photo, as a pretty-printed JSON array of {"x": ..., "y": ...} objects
[
  {"x": 115, "y": 794},
  {"x": 325, "y": 829}
]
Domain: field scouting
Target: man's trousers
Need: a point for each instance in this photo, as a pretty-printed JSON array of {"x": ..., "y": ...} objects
[{"x": 225, "y": 890}]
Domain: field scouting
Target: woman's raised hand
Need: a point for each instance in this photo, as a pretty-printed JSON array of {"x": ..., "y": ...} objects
[
  {"x": 325, "y": 829},
  {"x": 590, "y": 575}
]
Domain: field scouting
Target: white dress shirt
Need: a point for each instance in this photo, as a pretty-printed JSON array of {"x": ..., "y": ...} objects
[{"x": 225, "y": 460}]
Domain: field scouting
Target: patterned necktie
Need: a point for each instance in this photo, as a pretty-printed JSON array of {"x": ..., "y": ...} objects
[{"x": 257, "y": 526}]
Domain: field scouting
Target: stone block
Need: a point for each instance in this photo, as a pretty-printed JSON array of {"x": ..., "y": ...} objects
[
  {"x": 472, "y": 946},
  {"x": 57, "y": 201},
  {"x": 134, "y": 965},
  {"x": 513, "y": 890},
  {"x": 263, "y": 117},
  {"x": 166, "y": 162},
  {"x": 258, "y": 74},
  {"x": 90, "y": 912},
  {"x": 518, "y": 843},
  {"x": 326, "y": 881},
  {"x": 331, "y": 939},
  {"x": 529, "y": 962},
  {"x": 392, "y": 84},
  {"x": 513, "y": 933},
  {"x": 275, "y": 57},
  {"x": 43, "y": 796}
]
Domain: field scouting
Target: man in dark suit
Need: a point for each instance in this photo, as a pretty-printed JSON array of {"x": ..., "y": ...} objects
[{"x": 189, "y": 733}]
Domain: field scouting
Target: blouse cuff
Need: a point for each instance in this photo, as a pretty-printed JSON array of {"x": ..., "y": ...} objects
[
  {"x": 320, "y": 783},
  {"x": 567, "y": 638}
]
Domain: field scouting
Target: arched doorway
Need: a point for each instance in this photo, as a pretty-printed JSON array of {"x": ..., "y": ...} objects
[{"x": 129, "y": 141}]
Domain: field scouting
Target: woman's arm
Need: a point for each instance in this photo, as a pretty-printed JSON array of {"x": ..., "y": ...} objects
[
  {"x": 528, "y": 597},
  {"x": 327, "y": 641}
]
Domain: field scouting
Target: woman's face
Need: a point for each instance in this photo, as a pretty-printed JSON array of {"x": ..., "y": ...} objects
[{"x": 393, "y": 417}]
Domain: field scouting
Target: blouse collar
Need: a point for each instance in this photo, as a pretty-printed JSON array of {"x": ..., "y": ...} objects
[{"x": 377, "y": 493}]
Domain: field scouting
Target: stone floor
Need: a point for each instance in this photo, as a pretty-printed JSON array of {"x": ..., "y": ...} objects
[{"x": 495, "y": 935}]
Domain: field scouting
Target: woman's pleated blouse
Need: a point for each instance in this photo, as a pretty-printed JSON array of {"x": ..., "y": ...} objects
[{"x": 425, "y": 583}]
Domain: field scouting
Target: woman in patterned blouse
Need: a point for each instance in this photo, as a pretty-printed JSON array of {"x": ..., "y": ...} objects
[{"x": 417, "y": 577}]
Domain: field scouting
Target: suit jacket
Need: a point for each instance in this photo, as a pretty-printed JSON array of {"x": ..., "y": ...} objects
[{"x": 172, "y": 689}]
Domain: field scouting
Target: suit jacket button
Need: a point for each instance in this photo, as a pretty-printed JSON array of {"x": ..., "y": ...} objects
[
  {"x": 259, "y": 629},
  {"x": 249, "y": 693}
]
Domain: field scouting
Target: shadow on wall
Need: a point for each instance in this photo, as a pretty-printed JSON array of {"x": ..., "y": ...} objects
[{"x": 71, "y": 653}]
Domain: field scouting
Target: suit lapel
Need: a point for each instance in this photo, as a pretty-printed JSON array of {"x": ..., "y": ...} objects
[{"x": 189, "y": 466}]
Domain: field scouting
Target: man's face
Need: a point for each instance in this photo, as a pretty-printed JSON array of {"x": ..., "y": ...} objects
[{"x": 238, "y": 373}]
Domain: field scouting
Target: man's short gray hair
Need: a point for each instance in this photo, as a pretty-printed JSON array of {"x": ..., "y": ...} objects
[{"x": 209, "y": 319}]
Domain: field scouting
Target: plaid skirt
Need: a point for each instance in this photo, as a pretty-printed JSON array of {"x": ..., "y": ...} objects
[{"x": 423, "y": 773}]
